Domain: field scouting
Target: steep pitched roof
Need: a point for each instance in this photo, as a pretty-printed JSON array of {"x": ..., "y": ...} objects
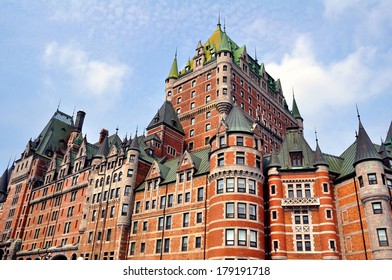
[
  {"x": 174, "y": 69},
  {"x": 103, "y": 148},
  {"x": 134, "y": 144},
  {"x": 274, "y": 160},
  {"x": 237, "y": 121},
  {"x": 388, "y": 139},
  {"x": 4, "y": 181},
  {"x": 295, "y": 142},
  {"x": 319, "y": 158},
  {"x": 365, "y": 149},
  {"x": 295, "y": 111},
  {"x": 167, "y": 116},
  {"x": 55, "y": 134}
]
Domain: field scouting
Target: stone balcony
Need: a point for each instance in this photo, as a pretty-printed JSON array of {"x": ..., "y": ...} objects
[{"x": 300, "y": 201}]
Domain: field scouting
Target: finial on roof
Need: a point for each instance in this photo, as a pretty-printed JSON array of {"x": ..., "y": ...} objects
[
  {"x": 58, "y": 106},
  {"x": 117, "y": 130},
  {"x": 315, "y": 132},
  {"x": 224, "y": 25},
  {"x": 358, "y": 115},
  {"x": 219, "y": 20}
]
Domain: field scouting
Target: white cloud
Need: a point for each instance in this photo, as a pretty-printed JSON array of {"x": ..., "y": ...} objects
[
  {"x": 334, "y": 85},
  {"x": 88, "y": 77},
  {"x": 337, "y": 7}
]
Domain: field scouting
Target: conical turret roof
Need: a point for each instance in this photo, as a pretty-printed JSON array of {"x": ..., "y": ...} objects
[
  {"x": 274, "y": 160},
  {"x": 319, "y": 158},
  {"x": 135, "y": 144},
  {"x": 173, "y": 74},
  {"x": 237, "y": 121},
  {"x": 295, "y": 111},
  {"x": 365, "y": 149}
]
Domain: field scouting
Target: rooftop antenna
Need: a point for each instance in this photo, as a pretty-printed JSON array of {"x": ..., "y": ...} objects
[
  {"x": 315, "y": 133},
  {"x": 58, "y": 106},
  {"x": 255, "y": 54},
  {"x": 219, "y": 19},
  {"x": 224, "y": 25},
  {"x": 73, "y": 113}
]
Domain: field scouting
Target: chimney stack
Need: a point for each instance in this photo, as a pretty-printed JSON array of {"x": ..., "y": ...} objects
[
  {"x": 79, "y": 121},
  {"x": 102, "y": 135}
]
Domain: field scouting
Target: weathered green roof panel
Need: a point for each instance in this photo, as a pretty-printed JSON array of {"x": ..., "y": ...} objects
[{"x": 237, "y": 121}]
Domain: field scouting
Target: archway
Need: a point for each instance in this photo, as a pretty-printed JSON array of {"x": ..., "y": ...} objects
[
  {"x": 74, "y": 257},
  {"x": 59, "y": 257}
]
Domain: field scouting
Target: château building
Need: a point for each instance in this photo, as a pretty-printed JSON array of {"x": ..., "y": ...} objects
[{"x": 223, "y": 171}]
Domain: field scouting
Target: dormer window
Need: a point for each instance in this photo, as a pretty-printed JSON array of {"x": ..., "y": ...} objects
[{"x": 296, "y": 159}]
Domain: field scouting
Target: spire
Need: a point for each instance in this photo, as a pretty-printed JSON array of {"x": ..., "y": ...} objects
[
  {"x": 173, "y": 74},
  {"x": 224, "y": 45},
  {"x": 274, "y": 160},
  {"x": 319, "y": 158},
  {"x": 135, "y": 143},
  {"x": 219, "y": 24},
  {"x": 388, "y": 139},
  {"x": 4, "y": 185},
  {"x": 295, "y": 111},
  {"x": 365, "y": 149}
]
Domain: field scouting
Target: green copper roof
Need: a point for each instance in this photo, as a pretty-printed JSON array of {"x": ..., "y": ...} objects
[
  {"x": 295, "y": 142},
  {"x": 237, "y": 121},
  {"x": 365, "y": 149},
  {"x": 174, "y": 69},
  {"x": 274, "y": 160},
  {"x": 103, "y": 148},
  {"x": 319, "y": 158},
  {"x": 295, "y": 112},
  {"x": 224, "y": 45},
  {"x": 167, "y": 116},
  {"x": 55, "y": 134},
  {"x": 169, "y": 168}
]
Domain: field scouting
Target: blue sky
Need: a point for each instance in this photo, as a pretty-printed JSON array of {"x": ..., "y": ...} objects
[{"x": 111, "y": 58}]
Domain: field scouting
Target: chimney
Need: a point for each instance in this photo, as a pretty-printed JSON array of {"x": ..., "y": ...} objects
[
  {"x": 102, "y": 135},
  {"x": 79, "y": 121}
]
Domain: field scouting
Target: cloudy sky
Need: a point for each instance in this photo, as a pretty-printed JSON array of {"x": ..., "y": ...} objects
[{"x": 111, "y": 58}]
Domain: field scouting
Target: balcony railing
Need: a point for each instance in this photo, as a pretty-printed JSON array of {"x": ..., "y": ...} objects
[{"x": 300, "y": 201}]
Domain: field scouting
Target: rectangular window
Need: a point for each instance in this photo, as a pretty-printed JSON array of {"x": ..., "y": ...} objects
[
  {"x": 160, "y": 223},
  {"x": 145, "y": 225},
  {"x": 382, "y": 237},
  {"x": 127, "y": 191},
  {"x": 163, "y": 202},
  {"x": 290, "y": 190},
  {"x": 241, "y": 185},
  {"x": 240, "y": 141},
  {"x": 219, "y": 186},
  {"x": 328, "y": 214},
  {"x": 253, "y": 238},
  {"x": 200, "y": 194},
  {"x": 134, "y": 227},
  {"x": 166, "y": 246},
  {"x": 252, "y": 211},
  {"x": 168, "y": 222},
  {"x": 132, "y": 248},
  {"x": 325, "y": 188},
  {"x": 240, "y": 158},
  {"x": 170, "y": 200},
  {"x": 220, "y": 159},
  {"x": 274, "y": 215},
  {"x": 230, "y": 210},
  {"x": 377, "y": 209},
  {"x": 230, "y": 185},
  {"x": 242, "y": 237},
  {"x": 187, "y": 197},
  {"x": 158, "y": 246},
  {"x": 185, "y": 220},
  {"x": 199, "y": 217},
  {"x": 124, "y": 209},
  {"x": 179, "y": 198},
  {"x": 332, "y": 245},
  {"x": 137, "y": 207},
  {"x": 184, "y": 243},
  {"x": 198, "y": 242},
  {"x": 241, "y": 208},
  {"x": 273, "y": 189},
  {"x": 142, "y": 247},
  {"x": 372, "y": 179},
  {"x": 229, "y": 237},
  {"x": 360, "y": 180},
  {"x": 252, "y": 186},
  {"x": 189, "y": 175}
]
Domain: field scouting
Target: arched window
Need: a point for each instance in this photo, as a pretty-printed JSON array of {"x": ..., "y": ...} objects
[
  {"x": 114, "y": 177},
  {"x": 120, "y": 176},
  {"x": 101, "y": 183},
  {"x": 107, "y": 180}
]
